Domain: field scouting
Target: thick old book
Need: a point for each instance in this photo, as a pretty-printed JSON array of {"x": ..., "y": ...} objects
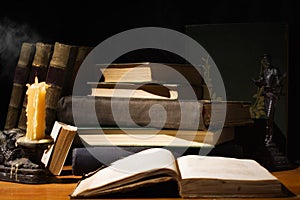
[
  {"x": 109, "y": 144},
  {"x": 135, "y": 90},
  {"x": 59, "y": 71},
  {"x": 196, "y": 176},
  {"x": 19, "y": 84},
  {"x": 152, "y": 113},
  {"x": 54, "y": 158},
  {"x": 42, "y": 57},
  {"x": 142, "y": 140},
  {"x": 86, "y": 159},
  {"x": 89, "y": 158},
  {"x": 151, "y": 72},
  {"x": 89, "y": 135},
  {"x": 148, "y": 90}
]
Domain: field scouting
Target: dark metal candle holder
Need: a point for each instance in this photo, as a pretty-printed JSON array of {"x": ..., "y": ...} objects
[{"x": 20, "y": 158}]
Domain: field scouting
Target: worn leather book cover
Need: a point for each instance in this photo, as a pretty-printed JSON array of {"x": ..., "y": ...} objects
[
  {"x": 19, "y": 84},
  {"x": 61, "y": 65},
  {"x": 135, "y": 112},
  {"x": 82, "y": 53}
]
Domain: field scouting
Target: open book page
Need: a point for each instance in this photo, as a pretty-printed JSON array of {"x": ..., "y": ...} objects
[
  {"x": 225, "y": 177},
  {"x": 195, "y": 166},
  {"x": 141, "y": 165}
]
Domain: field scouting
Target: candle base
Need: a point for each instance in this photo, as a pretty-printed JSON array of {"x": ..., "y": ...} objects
[
  {"x": 20, "y": 158},
  {"x": 35, "y": 148},
  {"x": 41, "y": 144}
]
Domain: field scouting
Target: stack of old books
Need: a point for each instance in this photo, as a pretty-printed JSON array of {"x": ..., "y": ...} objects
[
  {"x": 148, "y": 80},
  {"x": 133, "y": 105},
  {"x": 142, "y": 105}
]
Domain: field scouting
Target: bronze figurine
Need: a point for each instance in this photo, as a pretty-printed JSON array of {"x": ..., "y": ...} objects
[{"x": 270, "y": 80}]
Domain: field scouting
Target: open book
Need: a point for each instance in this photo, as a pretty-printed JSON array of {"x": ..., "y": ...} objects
[{"x": 196, "y": 176}]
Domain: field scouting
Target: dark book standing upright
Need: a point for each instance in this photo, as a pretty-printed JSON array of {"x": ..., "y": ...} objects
[
  {"x": 58, "y": 76},
  {"x": 19, "y": 84},
  {"x": 83, "y": 51},
  {"x": 39, "y": 68}
]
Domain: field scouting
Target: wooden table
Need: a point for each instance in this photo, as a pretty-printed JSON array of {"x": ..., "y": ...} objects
[{"x": 55, "y": 191}]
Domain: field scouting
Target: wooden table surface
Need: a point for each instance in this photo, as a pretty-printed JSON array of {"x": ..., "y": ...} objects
[{"x": 61, "y": 191}]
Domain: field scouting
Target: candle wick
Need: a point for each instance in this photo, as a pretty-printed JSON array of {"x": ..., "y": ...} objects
[{"x": 36, "y": 81}]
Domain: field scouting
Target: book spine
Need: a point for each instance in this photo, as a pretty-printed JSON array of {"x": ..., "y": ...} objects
[
  {"x": 41, "y": 62},
  {"x": 39, "y": 68},
  {"x": 83, "y": 51},
  {"x": 19, "y": 84},
  {"x": 115, "y": 111},
  {"x": 62, "y": 62}
]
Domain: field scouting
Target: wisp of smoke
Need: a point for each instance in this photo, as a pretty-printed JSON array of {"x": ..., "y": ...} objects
[{"x": 12, "y": 35}]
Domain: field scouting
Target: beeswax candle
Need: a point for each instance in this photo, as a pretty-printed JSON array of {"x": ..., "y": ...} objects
[{"x": 36, "y": 110}]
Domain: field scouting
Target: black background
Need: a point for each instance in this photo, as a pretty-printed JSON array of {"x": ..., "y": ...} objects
[{"x": 91, "y": 22}]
